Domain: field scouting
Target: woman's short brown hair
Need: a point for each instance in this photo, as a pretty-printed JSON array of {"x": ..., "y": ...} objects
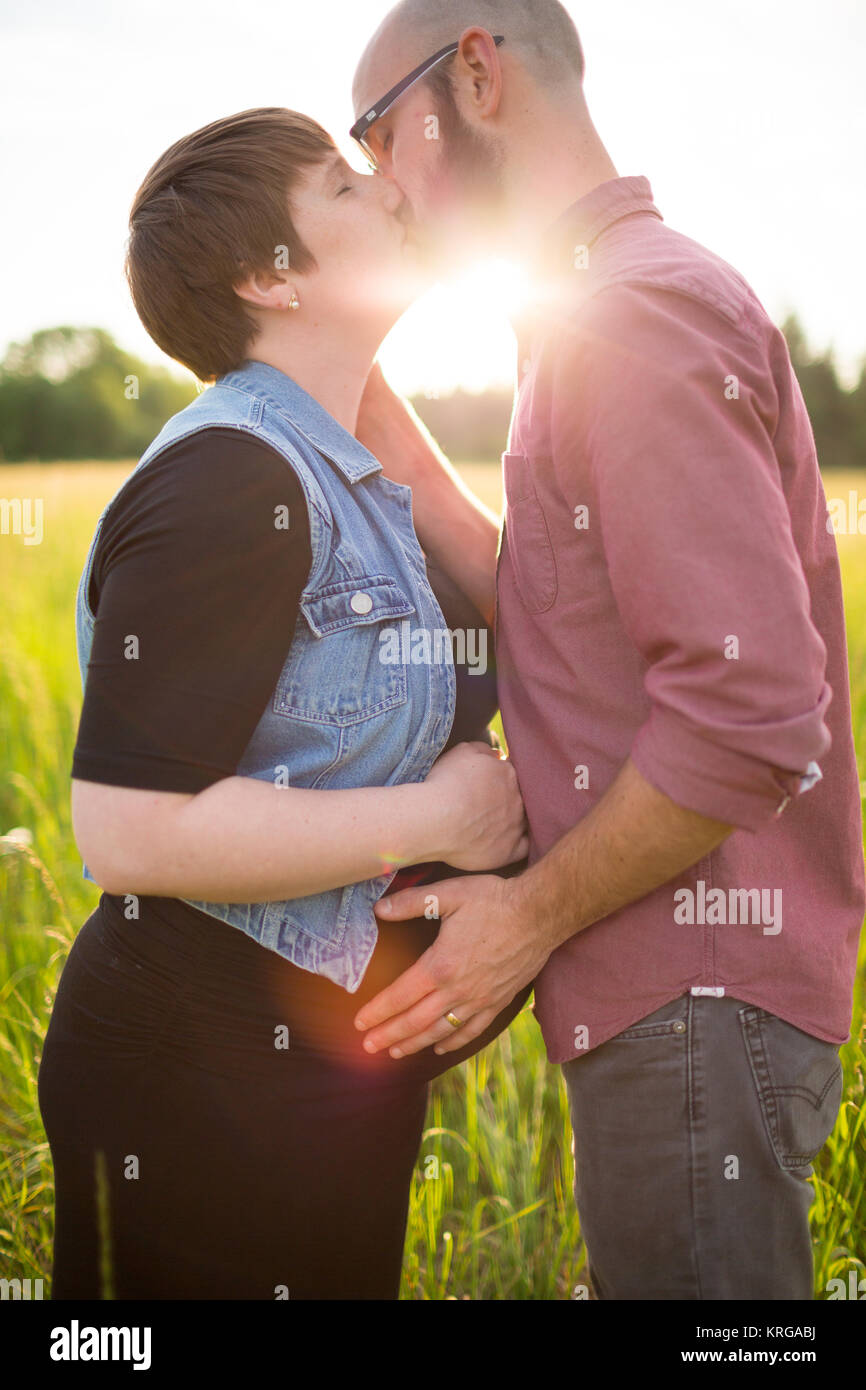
[{"x": 213, "y": 210}]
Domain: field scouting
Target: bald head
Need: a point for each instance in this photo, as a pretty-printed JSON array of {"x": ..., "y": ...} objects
[{"x": 540, "y": 32}]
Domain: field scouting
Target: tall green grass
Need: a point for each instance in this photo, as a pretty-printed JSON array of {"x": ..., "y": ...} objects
[{"x": 491, "y": 1214}]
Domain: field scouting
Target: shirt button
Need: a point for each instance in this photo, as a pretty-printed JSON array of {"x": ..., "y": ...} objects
[
  {"x": 679, "y": 1026},
  {"x": 361, "y": 603}
]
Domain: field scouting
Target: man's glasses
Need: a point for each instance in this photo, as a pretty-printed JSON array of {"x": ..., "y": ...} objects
[{"x": 360, "y": 129}]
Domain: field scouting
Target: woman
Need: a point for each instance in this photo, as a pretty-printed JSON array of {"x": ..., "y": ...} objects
[{"x": 251, "y": 772}]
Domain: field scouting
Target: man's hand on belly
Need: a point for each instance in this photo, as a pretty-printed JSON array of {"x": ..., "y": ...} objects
[
  {"x": 481, "y": 958},
  {"x": 497, "y": 934}
]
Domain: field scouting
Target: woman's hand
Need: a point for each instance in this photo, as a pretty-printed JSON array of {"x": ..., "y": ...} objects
[{"x": 477, "y": 803}]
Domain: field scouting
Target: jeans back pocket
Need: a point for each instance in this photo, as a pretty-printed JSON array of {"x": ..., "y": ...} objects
[{"x": 798, "y": 1079}]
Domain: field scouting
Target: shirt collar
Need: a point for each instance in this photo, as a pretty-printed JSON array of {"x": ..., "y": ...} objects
[
  {"x": 565, "y": 248},
  {"x": 306, "y": 415},
  {"x": 585, "y": 221}
]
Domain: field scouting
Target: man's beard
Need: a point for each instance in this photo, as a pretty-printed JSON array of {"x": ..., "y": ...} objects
[{"x": 468, "y": 186}]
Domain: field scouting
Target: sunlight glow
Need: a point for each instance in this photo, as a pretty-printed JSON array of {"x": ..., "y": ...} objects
[{"x": 459, "y": 334}]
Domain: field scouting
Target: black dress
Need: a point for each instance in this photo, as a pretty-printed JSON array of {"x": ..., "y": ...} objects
[{"x": 216, "y": 1128}]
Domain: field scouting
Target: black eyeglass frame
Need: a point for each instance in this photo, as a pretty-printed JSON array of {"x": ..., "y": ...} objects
[{"x": 359, "y": 130}]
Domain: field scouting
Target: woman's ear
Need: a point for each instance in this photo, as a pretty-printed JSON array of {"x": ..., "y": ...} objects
[{"x": 267, "y": 289}]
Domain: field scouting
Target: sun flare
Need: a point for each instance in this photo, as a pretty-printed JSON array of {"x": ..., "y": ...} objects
[{"x": 459, "y": 334}]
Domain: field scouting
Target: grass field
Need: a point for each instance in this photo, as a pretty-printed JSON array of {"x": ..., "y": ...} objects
[{"x": 498, "y": 1222}]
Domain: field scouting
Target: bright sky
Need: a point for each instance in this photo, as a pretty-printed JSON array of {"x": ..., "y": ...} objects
[{"x": 748, "y": 117}]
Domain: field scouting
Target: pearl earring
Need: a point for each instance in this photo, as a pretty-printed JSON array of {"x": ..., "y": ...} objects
[{"x": 294, "y": 302}]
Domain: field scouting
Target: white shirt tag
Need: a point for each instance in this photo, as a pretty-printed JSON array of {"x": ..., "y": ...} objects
[{"x": 813, "y": 775}]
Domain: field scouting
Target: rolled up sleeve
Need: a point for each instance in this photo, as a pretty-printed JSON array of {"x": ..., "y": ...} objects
[{"x": 676, "y": 414}]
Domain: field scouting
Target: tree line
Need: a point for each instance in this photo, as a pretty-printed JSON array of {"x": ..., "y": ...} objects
[{"x": 74, "y": 393}]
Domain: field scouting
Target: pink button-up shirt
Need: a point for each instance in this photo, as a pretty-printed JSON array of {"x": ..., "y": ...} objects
[{"x": 669, "y": 589}]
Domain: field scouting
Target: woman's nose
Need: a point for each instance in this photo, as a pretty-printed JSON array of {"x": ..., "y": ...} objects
[{"x": 392, "y": 194}]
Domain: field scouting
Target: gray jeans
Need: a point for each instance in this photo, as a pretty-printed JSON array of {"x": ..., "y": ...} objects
[{"x": 694, "y": 1134}]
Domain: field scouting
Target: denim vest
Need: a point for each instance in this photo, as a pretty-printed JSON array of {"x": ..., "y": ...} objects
[{"x": 339, "y": 716}]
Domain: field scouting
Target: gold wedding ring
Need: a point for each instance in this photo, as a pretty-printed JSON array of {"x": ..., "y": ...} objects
[{"x": 454, "y": 1020}]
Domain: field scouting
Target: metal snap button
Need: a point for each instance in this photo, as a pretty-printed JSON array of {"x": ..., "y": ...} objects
[
  {"x": 679, "y": 1026},
  {"x": 360, "y": 603}
]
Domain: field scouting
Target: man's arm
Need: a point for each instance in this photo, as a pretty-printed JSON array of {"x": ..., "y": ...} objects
[
  {"x": 455, "y": 529},
  {"x": 632, "y": 841}
]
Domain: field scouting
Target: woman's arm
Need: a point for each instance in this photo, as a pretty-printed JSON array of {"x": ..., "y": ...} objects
[
  {"x": 453, "y": 525},
  {"x": 190, "y": 565},
  {"x": 244, "y": 840}
]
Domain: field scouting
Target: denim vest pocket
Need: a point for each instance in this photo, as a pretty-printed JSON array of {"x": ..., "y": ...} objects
[
  {"x": 798, "y": 1079},
  {"x": 348, "y": 617},
  {"x": 529, "y": 544}
]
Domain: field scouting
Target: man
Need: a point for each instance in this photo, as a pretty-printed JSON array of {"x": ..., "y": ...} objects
[{"x": 673, "y": 682}]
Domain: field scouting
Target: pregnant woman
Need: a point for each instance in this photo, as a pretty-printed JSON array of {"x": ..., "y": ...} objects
[{"x": 254, "y": 768}]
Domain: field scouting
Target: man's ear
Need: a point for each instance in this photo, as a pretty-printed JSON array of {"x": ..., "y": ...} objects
[
  {"x": 478, "y": 72},
  {"x": 266, "y": 289}
]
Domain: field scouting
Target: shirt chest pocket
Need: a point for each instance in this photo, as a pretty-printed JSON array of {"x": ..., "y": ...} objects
[
  {"x": 334, "y": 673},
  {"x": 529, "y": 545}
]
